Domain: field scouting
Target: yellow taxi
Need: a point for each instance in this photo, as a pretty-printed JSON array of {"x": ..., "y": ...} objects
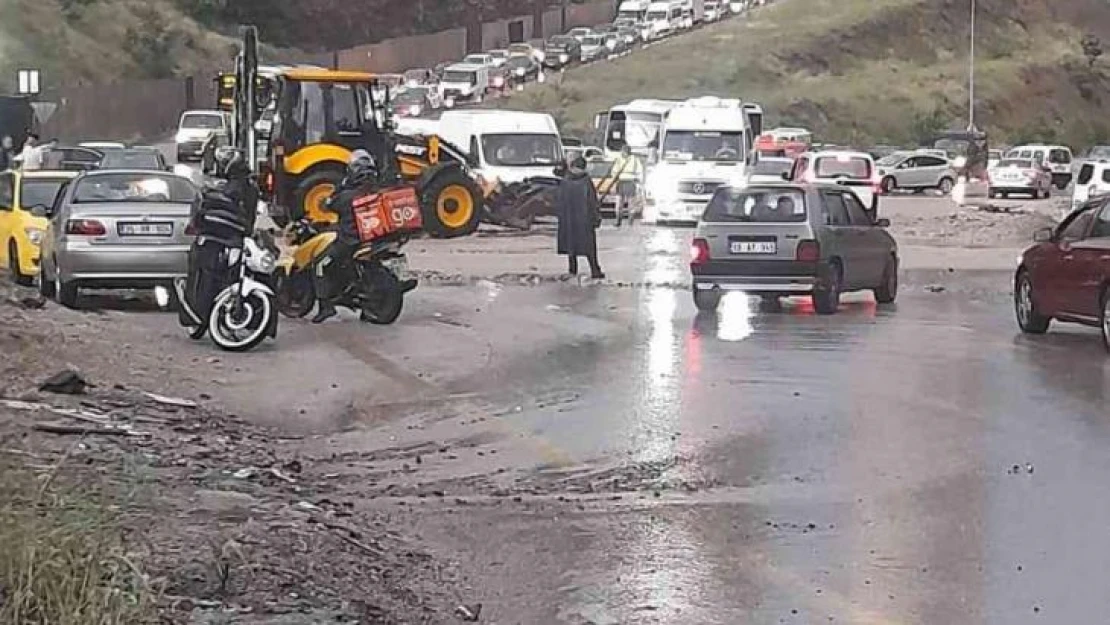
[{"x": 20, "y": 230}]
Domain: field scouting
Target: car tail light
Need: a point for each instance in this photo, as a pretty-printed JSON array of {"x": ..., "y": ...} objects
[
  {"x": 808, "y": 251},
  {"x": 85, "y": 227},
  {"x": 699, "y": 252}
]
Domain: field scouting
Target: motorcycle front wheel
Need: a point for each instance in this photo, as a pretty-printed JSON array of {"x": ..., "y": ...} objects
[
  {"x": 383, "y": 296},
  {"x": 240, "y": 328}
]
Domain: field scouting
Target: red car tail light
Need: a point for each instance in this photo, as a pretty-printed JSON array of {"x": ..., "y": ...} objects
[
  {"x": 85, "y": 227},
  {"x": 808, "y": 251},
  {"x": 699, "y": 252}
]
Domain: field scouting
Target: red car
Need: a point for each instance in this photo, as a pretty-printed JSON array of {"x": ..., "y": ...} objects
[{"x": 1066, "y": 274}]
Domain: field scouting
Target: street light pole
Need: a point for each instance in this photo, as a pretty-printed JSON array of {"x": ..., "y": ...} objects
[{"x": 971, "y": 74}]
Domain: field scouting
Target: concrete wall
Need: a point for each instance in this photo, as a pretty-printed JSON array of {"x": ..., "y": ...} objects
[{"x": 397, "y": 55}]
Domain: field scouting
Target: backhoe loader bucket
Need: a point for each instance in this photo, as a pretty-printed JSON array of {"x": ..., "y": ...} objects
[{"x": 516, "y": 205}]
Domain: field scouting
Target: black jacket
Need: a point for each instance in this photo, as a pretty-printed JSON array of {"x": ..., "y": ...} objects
[
  {"x": 578, "y": 208},
  {"x": 342, "y": 204}
]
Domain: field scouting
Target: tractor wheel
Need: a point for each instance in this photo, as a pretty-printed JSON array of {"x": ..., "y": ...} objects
[
  {"x": 308, "y": 200},
  {"x": 451, "y": 203}
]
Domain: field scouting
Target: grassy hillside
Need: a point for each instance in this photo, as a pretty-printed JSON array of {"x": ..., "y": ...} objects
[{"x": 862, "y": 71}]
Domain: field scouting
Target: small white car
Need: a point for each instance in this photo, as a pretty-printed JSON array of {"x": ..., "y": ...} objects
[
  {"x": 1057, "y": 159},
  {"x": 1093, "y": 179},
  {"x": 854, "y": 170},
  {"x": 194, "y": 130}
]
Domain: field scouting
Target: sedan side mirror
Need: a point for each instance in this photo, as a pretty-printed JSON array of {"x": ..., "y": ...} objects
[
  {"x": 1043, "y": 235},
  {"x": 39, "y": 210},
  {"x": 882, "y": 223}
]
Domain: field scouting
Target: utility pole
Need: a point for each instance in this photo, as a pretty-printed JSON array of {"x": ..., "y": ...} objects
[{"x": 971, "y": 74}]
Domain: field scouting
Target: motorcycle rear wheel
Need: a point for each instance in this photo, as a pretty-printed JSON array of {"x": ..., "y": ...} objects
[
  {"x": 384, "y": 298},
  {"x": 296, "y": 294}
]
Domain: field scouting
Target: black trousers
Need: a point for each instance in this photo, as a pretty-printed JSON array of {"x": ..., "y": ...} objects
[
  {"x": 572, "y": 263},
  {"x": 329, "y": 270}
]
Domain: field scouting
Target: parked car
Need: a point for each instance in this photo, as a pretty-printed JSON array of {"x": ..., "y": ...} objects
[
  {"x": 484, "y": 60},
  {"x": 535, "y": 52},
  {"x": 25, "y": 199},
  {"x": 139, "y": 157},
  {"x": 1093, "y": 180},
  {"x": 196, "y": 127},
  {"x": 580, "y": 33},
  {"x": 417, "y": 101},
  {"x": 1065, "y": 274},
  {"x": 561, "y": 51},
  {"x": 420, "y": 77},
  {"x": 523, "y": 68},
  {"x": 769, "y": 170},
  {"x": 993, "y": 157},
  {"x": 1056, "y": 159},
  {"x": 588, "y": 152},
  {"x": 501, "y": 80},
  {"x": 393, "y": 82},
  {"x": 116, "y": 229},
  {"x": 787, "y": 239},
  {"x": 594, "y": 48},
  {"x": 499, "y": 57},
  {"x": 855, "y": 170},
  {"x": 630, "y": 36},
  {"x": 464, "y": 83},
  {"x": 71, "y": 158},
  {"x": 916, "y": 171},
  {"x": 1019, "y": 176}
]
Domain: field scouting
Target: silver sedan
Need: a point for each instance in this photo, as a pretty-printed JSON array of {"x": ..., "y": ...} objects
[{"x": 117, "y": 229}]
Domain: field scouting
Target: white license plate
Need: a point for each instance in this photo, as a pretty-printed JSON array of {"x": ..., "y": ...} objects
[
  {"x": 148, "y": 230},
  {"x": 754, "y": 247}
]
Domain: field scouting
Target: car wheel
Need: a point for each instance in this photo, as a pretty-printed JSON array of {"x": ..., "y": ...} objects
[
  {"x": 946, "y": 185},
  {"x": 706, "y": 300},
  {"x": 1105, "y": 320},
  {"x": 888, "y": 184},
  {"x": 13, "y": 266},
  {"x": 826, "y": 295},
  {"x": 1029, "y": 319},
  {"x": 46, "y": 284},
  {"x": 65, "y": 293},
  {"x": 887, "y": 292}
]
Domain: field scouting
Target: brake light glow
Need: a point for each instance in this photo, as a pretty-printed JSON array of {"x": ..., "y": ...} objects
[
  {"x": 85, "y": 227},
  {"x": 808, "y": 251},
  {"x": 699, "y": 252}
]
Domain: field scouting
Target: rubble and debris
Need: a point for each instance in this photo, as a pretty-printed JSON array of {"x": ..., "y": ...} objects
[
  {"x": 66, "y": 382},
  {"x": 171, "y": 401},
  {"x": 469, "y": 613}
]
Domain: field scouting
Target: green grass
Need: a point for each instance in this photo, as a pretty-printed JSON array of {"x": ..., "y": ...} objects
[
  {"x": 62, "y": 559},
  {"x": 852, "y": 70}
]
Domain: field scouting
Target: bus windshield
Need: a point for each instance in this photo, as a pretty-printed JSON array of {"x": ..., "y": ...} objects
[{"x": 637, "y": 130}]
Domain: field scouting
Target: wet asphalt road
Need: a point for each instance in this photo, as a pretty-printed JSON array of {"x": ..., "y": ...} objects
[{"x": 921, "y": 463}]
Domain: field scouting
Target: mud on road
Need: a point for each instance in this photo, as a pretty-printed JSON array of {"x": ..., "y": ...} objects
[{"x": 575, "y": 452}]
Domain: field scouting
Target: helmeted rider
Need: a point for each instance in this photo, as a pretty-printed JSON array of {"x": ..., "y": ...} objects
[{"x": 362, "y": 176}]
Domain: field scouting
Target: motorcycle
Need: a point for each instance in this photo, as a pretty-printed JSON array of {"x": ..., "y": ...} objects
[
  {"x": 373, "y": 276},
  {"x": 229, "y": 291}
]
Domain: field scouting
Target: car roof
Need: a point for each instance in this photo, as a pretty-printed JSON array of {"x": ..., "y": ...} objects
[
  {"x": 464, "y": 67},
  {"x": 837, "y": 153},
  {"x": 47, "y": 174},
  {"x": 92, "y": 173}
]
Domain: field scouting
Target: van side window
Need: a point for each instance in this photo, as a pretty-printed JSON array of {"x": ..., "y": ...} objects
[
  {"x": 475, "y": 151},
  {"x": 1086, "y": 172},
  {"x": 1058, "y": 156}
]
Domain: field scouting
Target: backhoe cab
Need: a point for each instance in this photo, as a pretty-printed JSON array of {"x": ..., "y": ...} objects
[{"x": 304, "y": 122}]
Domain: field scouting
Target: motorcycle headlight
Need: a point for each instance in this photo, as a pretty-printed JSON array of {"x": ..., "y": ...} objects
[
  {"x": 265, "y": 262},
  {"x": 34, "y": 235}
]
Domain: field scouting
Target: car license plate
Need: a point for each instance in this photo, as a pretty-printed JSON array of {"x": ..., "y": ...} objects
[
  {"x": 146, "y": 229},
  {"x": 754, "y": 247}
]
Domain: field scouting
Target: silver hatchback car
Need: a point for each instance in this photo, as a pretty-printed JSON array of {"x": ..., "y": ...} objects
[
  {"x": 916, "y": 171},
  {"x": 117, "y": 229},
  {"x": 783, "y": 239}
]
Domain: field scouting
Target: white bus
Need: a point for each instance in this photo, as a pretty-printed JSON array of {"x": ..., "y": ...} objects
[{"x": 635, "y": 124}]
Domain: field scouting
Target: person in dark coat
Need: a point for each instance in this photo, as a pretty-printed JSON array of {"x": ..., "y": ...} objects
[{"x": 579, "y": 212}]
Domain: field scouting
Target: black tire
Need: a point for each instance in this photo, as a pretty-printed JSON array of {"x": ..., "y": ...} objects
[
  {"x": 451, "y": 204},
  {"x": 888, "y": 184},
  {"x": 1029, "y": 319},
  {"x": 66, "y": 293},
  {"x": 311, "y": 189},
  {"x": 946, "y": 185},
  {"x": 13, "y": 266},
  {"x": 826, "y": 295},
  {"x": 296, "y": 294},
  {"x": 46, "y": 286},
  {"x": 1104, "y": 321},
  {"x": 262, "y": 309},
  {"x": 707, "y": 300},
  {"x": 385, "y": 298},
  {"x": 887, "y": 292}
]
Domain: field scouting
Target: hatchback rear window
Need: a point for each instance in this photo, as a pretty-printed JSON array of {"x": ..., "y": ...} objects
[
  {"x": 853, "y": 167},
  {"x": 1060, "y": 157},
  {"x": 756, "y": 205}
]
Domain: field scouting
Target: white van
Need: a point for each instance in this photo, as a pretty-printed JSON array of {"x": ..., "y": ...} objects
[
  {"x": 1093, "y": 179},
  {"x": 664, "y": 19},
  {"x": 854, "y": 170},
  {"x": 464, "y": 83},
  {"x": 509, "y": 146},
  {"x": 1057, "y": 159}
]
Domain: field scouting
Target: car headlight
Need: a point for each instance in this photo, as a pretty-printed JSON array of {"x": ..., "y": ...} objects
[
  {"x": 180, "y": 137},
  {"x": 34, "y": 235},
  {"x": 520, "y": 71},
  {"x": 564, "y": 58}
]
